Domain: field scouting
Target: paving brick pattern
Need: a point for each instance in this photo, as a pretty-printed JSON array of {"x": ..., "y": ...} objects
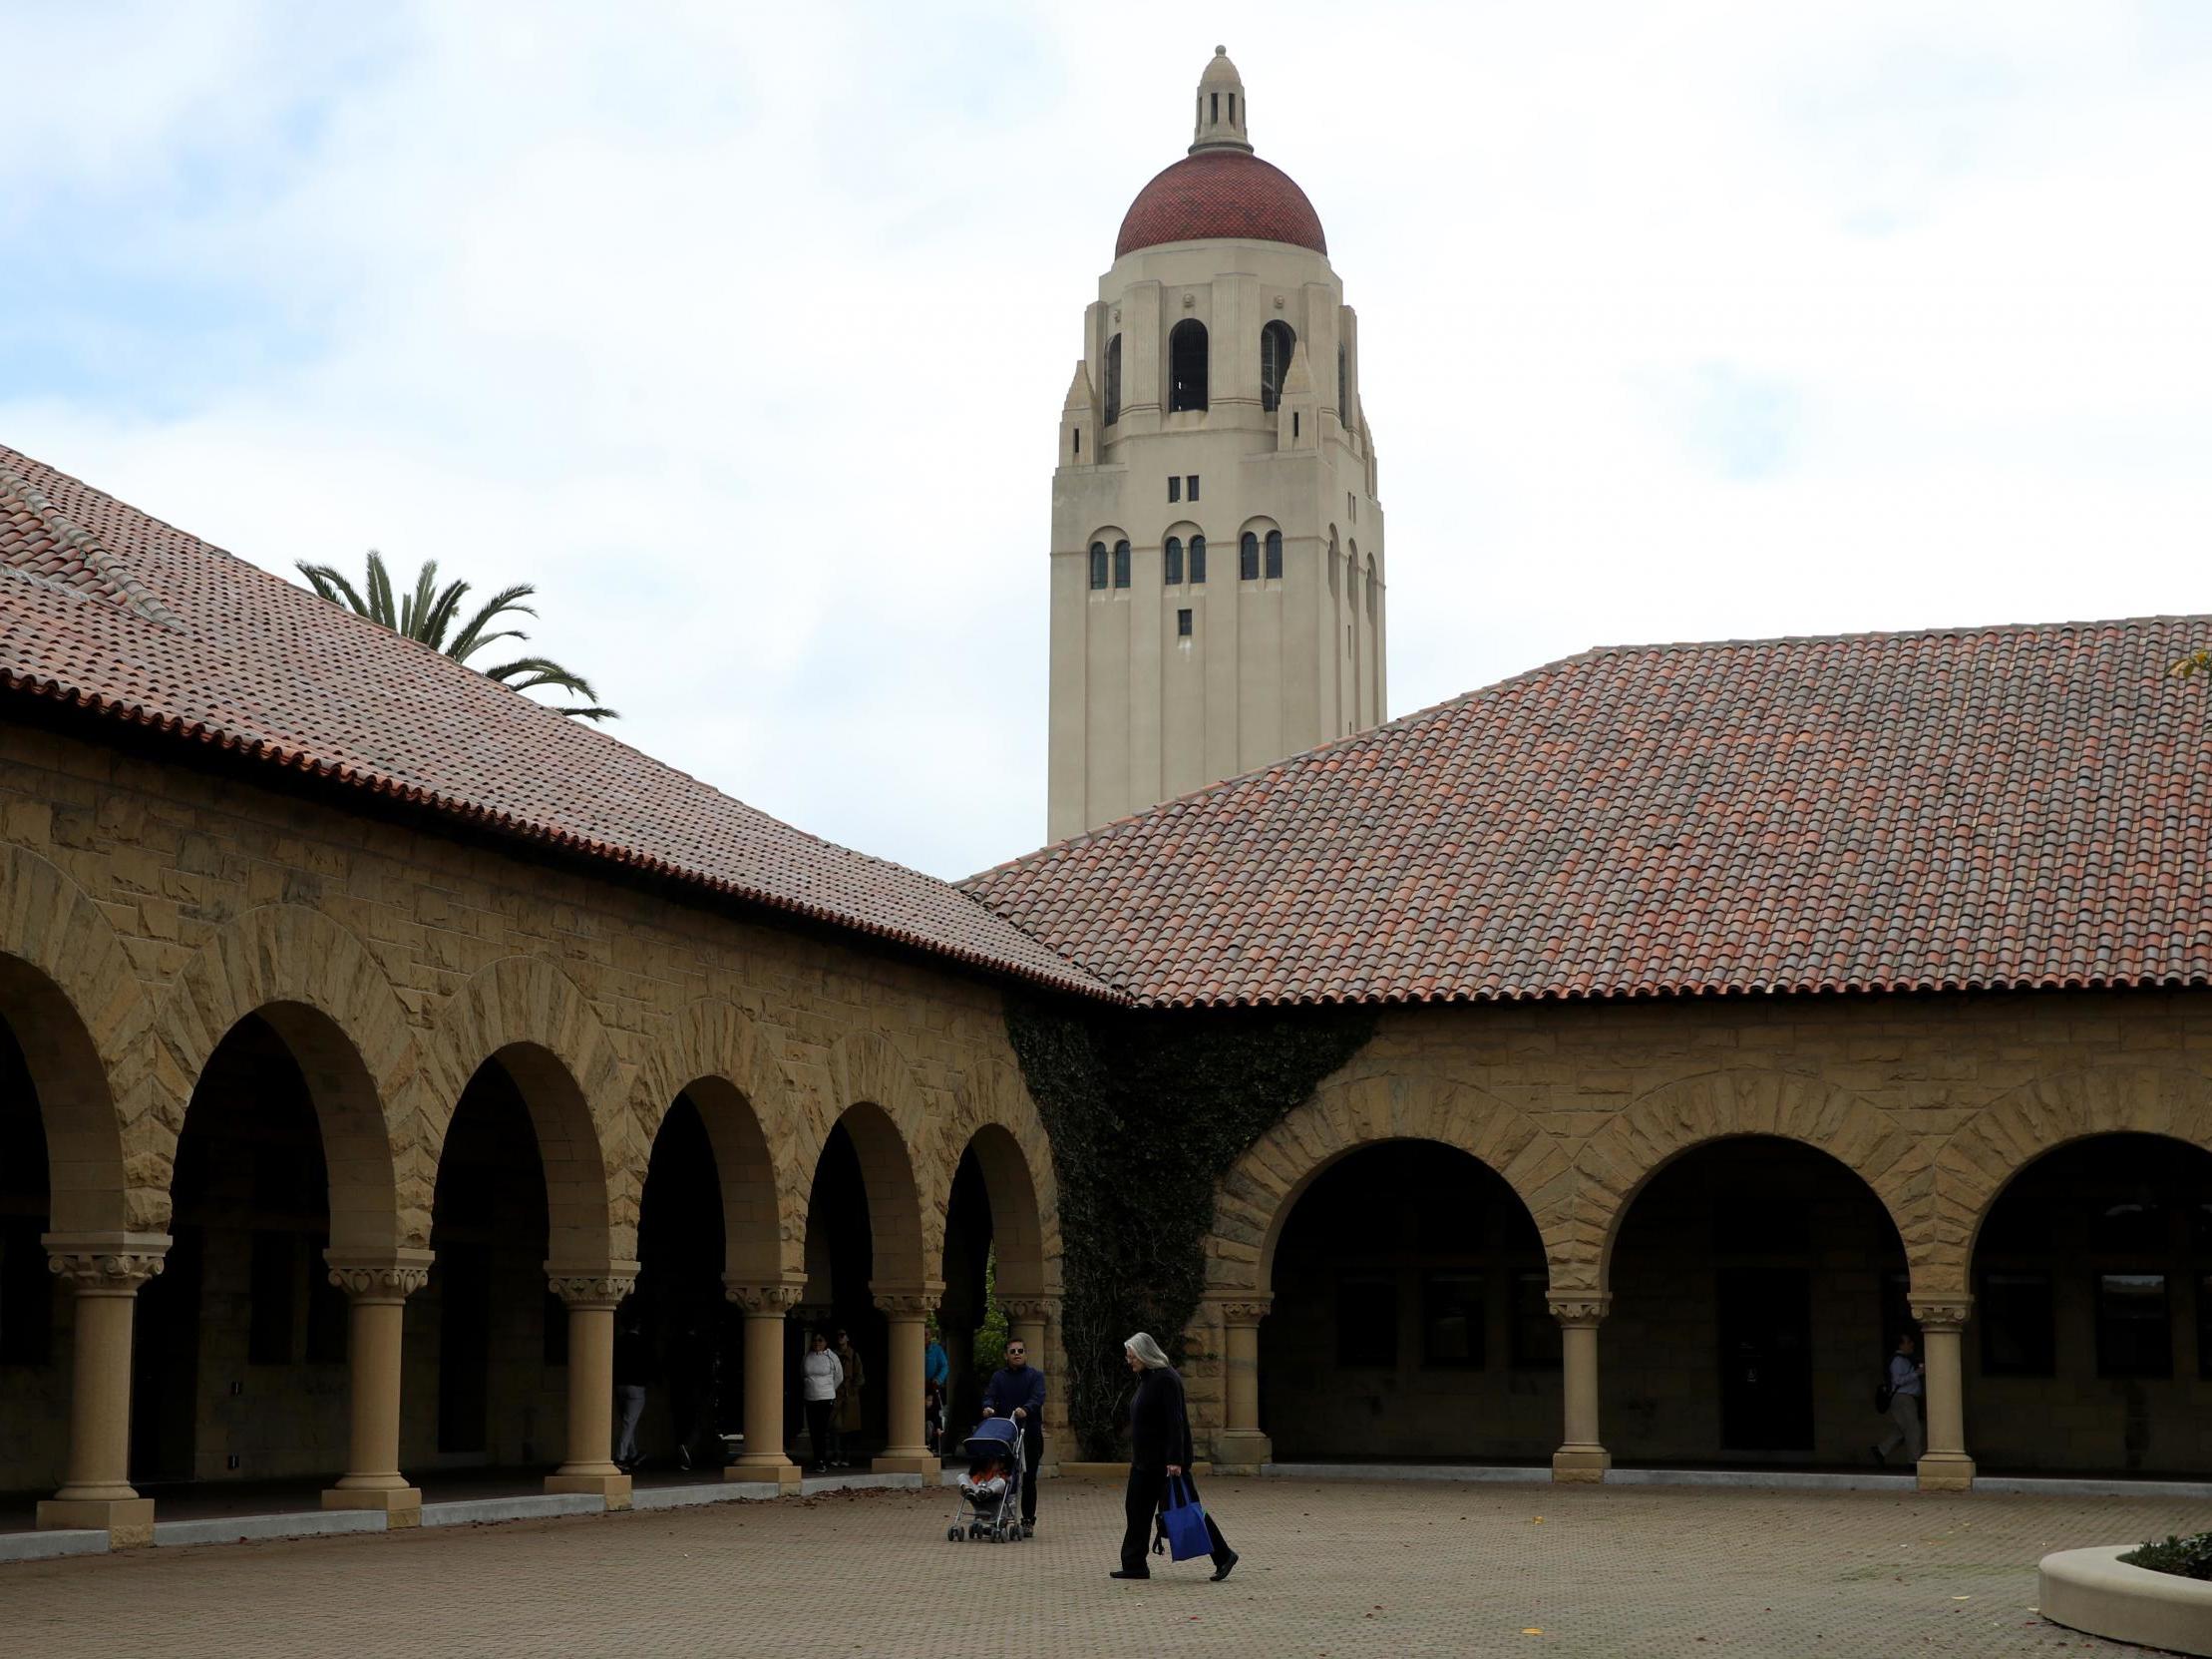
[{"x": 1331, "y": 1569}]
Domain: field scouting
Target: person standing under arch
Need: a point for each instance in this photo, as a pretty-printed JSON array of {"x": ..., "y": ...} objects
[{"x": 1158, "y": 1449}]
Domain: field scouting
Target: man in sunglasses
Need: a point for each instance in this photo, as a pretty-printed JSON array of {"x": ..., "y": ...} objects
[{"x": 1017, "y": 1391}]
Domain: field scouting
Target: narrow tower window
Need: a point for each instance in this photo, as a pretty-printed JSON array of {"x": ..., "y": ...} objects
[
  {"x": 1274, "y": 555},
  {"x": 1174, "y": 486},
  {"x": 1171, "y": 556},
  {"x": 1121, "y": 563},
  {"x": 1343, "y": 408},
  {"x": 1187, "y": 365},
  {"x": 1231, "y": 108},
  {"x": 1098, "y": 563},
  {"x": 1277, "y": 342},
  {"x": 1198, "y": 561},
  {"x": 1247, "y": 558},
  {"x": 1189, "y": 487},
  {"x": 1077, "y": 432},
  {"x": 1113, "y": 380},
  {"x": 1216, "y": 106},
  {"x": 1182, "y": 624}
]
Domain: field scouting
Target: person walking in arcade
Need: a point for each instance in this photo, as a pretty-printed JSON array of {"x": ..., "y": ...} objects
[{"x": 1159, "y": 1451}]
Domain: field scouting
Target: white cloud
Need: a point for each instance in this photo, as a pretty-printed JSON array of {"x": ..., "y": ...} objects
[{"x": 743, "y": 334}]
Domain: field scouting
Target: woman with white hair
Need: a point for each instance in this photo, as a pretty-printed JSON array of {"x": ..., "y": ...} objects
[{"x": 1158, "y": 1449}]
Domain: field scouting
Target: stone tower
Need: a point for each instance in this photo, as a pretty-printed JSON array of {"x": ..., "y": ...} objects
[{"x": 1218, "y": 572}]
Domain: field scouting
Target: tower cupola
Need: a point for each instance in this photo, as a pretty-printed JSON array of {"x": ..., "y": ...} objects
[{"x": 1221, "y": 107}]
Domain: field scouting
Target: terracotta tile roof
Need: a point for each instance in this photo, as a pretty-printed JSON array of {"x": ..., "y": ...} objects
[
  {"x": 1220, "y": 193},
  {"x": 2002, "y": 807},
  {"x": 112, "y": 611}
]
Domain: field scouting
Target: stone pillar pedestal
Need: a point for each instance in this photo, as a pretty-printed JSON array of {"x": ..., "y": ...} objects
[
  {"x": 1240, "y": 1449},
  {"x": 908, "y": 1453},
  {"x": 1030, "y": 1322},
  {"x": 1580, "y": 1457},
  {"x": 377, "y": 1285},
  {"x": 105, "y": 1270},
  {"x": 591, "y": 1297},
  {"x": 766, "y": 1307},
  {"x": 1945, "y": 1467}
]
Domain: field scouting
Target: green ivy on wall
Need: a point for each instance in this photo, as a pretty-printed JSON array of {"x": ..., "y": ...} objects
[{"x": 1147, "y": 1113}]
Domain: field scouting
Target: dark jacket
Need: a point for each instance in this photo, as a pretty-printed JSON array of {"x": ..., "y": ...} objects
[
  {"x": 1024, "y": 1388},
  {"x": 1159, "y": 1421}
]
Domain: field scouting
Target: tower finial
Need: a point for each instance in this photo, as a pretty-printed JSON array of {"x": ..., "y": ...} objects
[{"x": 1221, "y": 106}]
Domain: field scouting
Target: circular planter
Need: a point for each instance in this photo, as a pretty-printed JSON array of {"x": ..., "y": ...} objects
[{"x": 2093, "y": 1590}]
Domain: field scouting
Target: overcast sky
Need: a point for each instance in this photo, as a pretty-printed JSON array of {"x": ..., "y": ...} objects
[{"x": 743, "y": 330}]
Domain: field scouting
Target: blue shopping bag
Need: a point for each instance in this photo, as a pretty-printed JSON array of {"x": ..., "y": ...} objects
[{"x": 1184, "y": 1519}]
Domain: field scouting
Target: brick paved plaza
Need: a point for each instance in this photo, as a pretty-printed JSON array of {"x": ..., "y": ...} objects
[{"x": 1331, "y": 1569}]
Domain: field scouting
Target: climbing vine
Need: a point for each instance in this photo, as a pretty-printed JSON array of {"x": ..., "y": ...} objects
[{"x": 1147, "y": 1113}]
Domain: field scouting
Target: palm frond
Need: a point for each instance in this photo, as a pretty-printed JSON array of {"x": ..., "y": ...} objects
[
  {"x": 439, "y": 622},
  {"x": 381, "y": 607},
  {"x": 333, "y": 584},
  {"x": 577, "y": 713},
  {"x": 474, "y": 637},
  {"x": 526, "y": 673}
]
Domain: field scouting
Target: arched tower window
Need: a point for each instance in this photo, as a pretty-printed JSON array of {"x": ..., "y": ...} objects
[
  {"x": 1275, "y": 555},
  {"x": 1121, "y": 563},
  {"x": 1198, "y": 561},
  {"x": 1171, "y": 562},
  {"x": 1187, "y": 365},
  {"x": 1247, "y": 558},
  {"x": 1113, "y": 380},
  {"x": 1277, "y": 342},
  {"x": 1098, "y": 563}
]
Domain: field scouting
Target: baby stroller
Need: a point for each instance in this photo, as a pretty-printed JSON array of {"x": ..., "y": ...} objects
[{"x": 990, "y": 1491}]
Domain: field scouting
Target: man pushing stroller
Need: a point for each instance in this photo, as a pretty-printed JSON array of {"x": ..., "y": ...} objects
[{"x": 1017, "y": 1393}]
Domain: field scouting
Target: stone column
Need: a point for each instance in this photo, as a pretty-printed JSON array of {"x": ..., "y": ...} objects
[
  {"x": 766, "y": 1308},
  {"x": 106, "y": 1271},
  {"x": 1581, "y": 1455},
  {"x": 908, "y": 1453},
  {"x": 1240, "y": 1449},
  {"x": 377, "y": 1285},
  {"x": 1030, "y": 1322},
  {"x": 1945, "y": 1466},
  {"x": 592, "y": 1297}
]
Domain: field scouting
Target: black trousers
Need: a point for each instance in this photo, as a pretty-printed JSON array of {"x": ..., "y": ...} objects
[
  {"x": 818, "y": 1428},
  {"x": 1148, "y": 1488},
  {"x": 1032, "y": 1446}
]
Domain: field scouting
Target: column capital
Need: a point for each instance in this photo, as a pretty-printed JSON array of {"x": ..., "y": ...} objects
[
  {"x": 1246, "y": 1309},
  {"x": 593, "y": 1287},
  {"x": 1941, "y": 1313},
  {"x": 759, "y": 1297},
  {"x": 907, "y": 1302},
  {"x": 389, "y": 1275},
  {"x": 1029, "y": 1309},
  {"x": 106, "y": 1264},
  {"x": 1584, "y": 1310}
]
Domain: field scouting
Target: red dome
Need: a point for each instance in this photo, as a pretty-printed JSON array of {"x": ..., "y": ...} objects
[{"x": 1218, "y": 194}]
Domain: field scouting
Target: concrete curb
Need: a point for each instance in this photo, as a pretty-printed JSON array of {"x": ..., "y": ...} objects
[
  {"x": 1753, "y": 1479},
  {"x": 2093, "y": 1590},
  {"x": 521, "y": 1506},
  {"x": 2045, "y": 1486},
  {"x": 51, "y": 1546},
  {"x": 1408, "y": 1471},
  {"x": 289, "y": 1523}
]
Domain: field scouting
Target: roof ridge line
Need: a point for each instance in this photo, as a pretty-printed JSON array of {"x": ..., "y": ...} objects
[
  {"x": 1935, "y": 632},
  {"x": 137, "y": 598}
]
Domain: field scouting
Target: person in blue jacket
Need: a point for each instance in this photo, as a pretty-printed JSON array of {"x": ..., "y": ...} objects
[
  {"x": 936, "y": 1372},
  {"x": 1016, "y": 1391}
]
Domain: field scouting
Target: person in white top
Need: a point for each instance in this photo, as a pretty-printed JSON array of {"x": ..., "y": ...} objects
[
  {"x": 822, "y": 1375},
  {"x": 1907, "y": 1381}
]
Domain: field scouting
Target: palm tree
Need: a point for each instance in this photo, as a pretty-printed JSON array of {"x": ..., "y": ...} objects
[{"x": 427, "y": 614}]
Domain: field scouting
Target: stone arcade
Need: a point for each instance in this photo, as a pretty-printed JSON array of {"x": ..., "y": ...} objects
[{"x": 369, "y": 1033}]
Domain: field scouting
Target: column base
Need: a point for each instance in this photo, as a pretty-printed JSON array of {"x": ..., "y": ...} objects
[
  {"x": 1242, "y": 1452},
  {"x": 128, "y": 1521},
  {"x": 779, "y": 1472},
  {"x": 1586, "y": 1464},
  {"x": 401, "y": 1505},
  {"x": 615, "y": 1487},
  {"x": 1946, "y": 1472},
  {"x": 908, "y": 1462}
]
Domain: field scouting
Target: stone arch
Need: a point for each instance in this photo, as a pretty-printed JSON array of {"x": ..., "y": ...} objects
[
  {"x": 1617, "y": 1162},
  {"x": 873, "y": 1093},
  {"x": 715, "y": 1053},
  {"x": 329, "y": 1000},
  {"x": 531, "y": 1018},
  {"x": 993, "y": 1115},
  {"x": 1985, "y": 1154},
  {"x": 82, "y": 1019},
  {"x": 1257, "y": 1194}
]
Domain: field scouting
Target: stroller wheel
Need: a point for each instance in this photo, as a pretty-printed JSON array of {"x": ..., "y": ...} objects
[{"x": 952, "y": 1534}]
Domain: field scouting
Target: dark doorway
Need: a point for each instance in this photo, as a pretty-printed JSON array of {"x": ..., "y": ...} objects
[
  {"x": 695, "y": 1336},
  {"x": 1766, "y": 1374}
]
